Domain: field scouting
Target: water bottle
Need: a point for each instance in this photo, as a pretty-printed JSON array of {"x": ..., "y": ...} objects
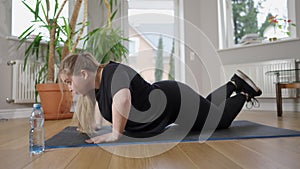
[{"x": 36, "y": 134}]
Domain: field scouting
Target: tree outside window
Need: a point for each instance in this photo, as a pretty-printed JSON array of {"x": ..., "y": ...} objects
[
  {"x": 244, "y": 18},
  {"x": 251, "y": 17}
]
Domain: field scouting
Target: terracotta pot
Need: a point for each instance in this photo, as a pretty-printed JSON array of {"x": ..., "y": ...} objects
[{"x": 55, "y": 102}]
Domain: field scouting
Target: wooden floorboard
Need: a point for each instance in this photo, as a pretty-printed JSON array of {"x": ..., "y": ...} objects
[
  {"x": 204, "y": 155},
  {"x": 232, "y": 154}
]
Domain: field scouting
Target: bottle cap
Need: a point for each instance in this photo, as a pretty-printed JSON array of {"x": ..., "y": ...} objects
[{"x": 36, "y": 105}]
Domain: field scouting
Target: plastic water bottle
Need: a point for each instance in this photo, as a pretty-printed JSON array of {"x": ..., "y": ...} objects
[{"x": 36, "y": 134}]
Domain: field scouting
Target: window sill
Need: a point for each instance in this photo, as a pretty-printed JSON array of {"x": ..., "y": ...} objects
[
  {"x": 15, "y": 38},
  {"x": 260, "y": 44},
  {"x": 43, "y": 42}
]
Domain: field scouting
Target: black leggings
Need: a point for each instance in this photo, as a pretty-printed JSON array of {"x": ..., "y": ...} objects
[
  {"x": 191, "y": 110},
  {"x": 220, "y": 104}
]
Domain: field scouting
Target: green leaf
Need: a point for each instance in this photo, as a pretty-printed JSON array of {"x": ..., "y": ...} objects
[
  {"x": 111, "y": 4},
  {"x": 32, "y": 49},
  {"x": 44, "y": 15},
  {"x": 47, "y": 5},
  {"x": 37, "y": 9},
  {"x": 26, "y": 33},
  {"x": 55, "y": 8},
  {"x": 30, "y": 9},
  {"x": 113, "y": 15},
  {"x": 106, "y": 44}
]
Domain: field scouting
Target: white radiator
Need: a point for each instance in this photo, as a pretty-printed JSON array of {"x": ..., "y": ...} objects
[
  {"x": 257, "y": 72},
  {"x": 23, "y": 81}
]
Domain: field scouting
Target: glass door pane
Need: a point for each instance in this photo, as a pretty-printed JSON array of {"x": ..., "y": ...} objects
[{"x": 152, "y": 28}]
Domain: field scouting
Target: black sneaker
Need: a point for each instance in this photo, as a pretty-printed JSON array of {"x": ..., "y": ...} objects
[{"x": 246, "y": 85}]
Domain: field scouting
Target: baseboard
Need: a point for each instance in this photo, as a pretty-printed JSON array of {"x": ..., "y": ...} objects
[{"x": 15, "y": 113}]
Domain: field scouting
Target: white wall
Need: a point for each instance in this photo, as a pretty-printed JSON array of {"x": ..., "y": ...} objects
[
  {"x": 201, "y": 37},
  {"x": 8, "y": 51}
]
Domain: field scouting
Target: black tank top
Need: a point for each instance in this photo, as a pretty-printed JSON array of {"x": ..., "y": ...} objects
[{"x": 154, "y": 106}]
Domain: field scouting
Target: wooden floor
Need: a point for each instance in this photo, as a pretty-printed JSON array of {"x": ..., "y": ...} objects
[{"x": 272, "y": 153}]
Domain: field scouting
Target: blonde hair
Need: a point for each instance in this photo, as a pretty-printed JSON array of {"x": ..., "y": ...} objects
[
  {"x": 85, "y": 106},
  {"x": 85, "y": 113},
  {"x": 74, "y": 63}
]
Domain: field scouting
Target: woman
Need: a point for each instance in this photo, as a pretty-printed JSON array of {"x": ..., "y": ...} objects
[{"x": 133, "y": 105}]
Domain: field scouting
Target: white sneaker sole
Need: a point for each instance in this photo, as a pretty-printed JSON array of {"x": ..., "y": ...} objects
[{"x": 247, "y": 80}]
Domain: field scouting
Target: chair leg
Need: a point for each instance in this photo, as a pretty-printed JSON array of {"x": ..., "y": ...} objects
[{"x": 279, "y": 100}]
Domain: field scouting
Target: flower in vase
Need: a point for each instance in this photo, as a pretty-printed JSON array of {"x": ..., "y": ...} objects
[{"x": 282, "y": 24}]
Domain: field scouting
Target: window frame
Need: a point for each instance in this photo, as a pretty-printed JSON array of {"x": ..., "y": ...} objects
[{"x": 133, "y": 41}]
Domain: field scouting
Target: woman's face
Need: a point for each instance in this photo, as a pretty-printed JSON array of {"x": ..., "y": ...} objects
[{"x": 79, "y": 84}]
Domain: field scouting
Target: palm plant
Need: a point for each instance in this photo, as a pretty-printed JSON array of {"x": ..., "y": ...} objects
[
  {"x": 106, "y": 43},
  {"x": 59, "y": 39}
]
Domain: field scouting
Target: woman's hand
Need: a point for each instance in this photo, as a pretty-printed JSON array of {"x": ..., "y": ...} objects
[{"x": 109, "y": 137}]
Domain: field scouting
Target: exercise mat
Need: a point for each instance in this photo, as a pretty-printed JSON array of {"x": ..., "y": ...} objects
[{"x": 70, "y": 137}]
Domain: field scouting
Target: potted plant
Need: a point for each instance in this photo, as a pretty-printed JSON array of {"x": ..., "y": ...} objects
[
  {"x": 282, "y": 24},
  {"x": 58, "y": 42},
  {"x": 106, "y": 43}
]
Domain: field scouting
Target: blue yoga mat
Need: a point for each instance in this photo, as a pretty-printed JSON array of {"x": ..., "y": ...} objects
[{"x": 69, "y": 137}]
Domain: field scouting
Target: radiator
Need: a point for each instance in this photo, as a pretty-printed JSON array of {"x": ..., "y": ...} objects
[
  {"x": 23, "y": 81},
  {"x": 257, "y": 72}
]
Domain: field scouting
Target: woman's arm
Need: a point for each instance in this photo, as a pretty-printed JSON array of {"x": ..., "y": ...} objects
[{"x": 120, "y": 112}]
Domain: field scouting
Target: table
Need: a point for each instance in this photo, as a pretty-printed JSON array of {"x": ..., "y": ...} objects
[{"x": 288, "y": 78}]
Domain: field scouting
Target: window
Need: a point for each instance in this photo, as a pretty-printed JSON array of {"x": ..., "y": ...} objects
[
  {"x": 22, "y": 17},
  {"x": 152, "y": 28},
  {"x": 245, "y": 22}
]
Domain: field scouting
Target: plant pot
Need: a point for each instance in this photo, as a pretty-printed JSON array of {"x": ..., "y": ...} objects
[{"x": 56, "y": 102}]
